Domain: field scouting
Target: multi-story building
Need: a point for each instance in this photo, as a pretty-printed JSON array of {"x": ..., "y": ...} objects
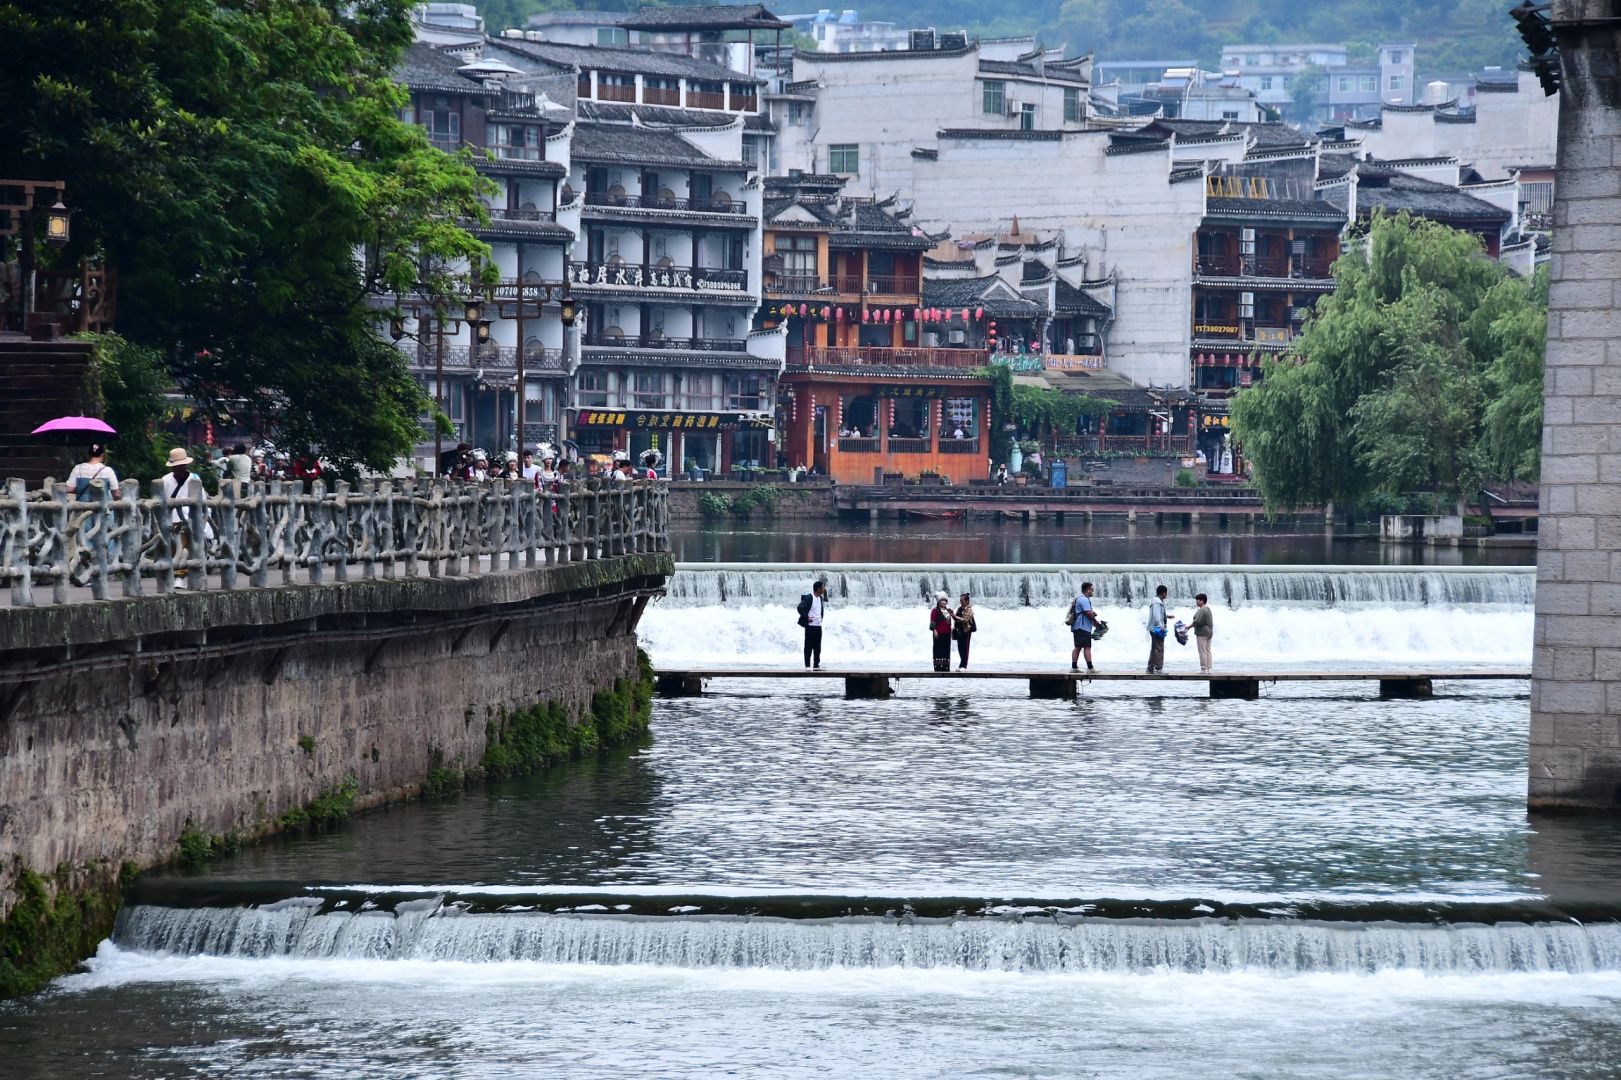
[
  {"x": 861, "y": 115},
  {"x": 846, "y": 31},
  {"x": 518, "y": 131},
  {"x": 1347, "y": 90},
  {"x": 864, "y": 392},
  {"x": 1510, "y": 124}
]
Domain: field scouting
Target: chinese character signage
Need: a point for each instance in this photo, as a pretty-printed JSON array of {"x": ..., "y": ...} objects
[
  {"x": 659, "y": 420},
  {"x": 631, "y": 276},
  {"x": 1073, "y": 362}
]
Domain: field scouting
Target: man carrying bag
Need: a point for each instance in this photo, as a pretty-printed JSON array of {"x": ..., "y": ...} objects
[{"x": 812, "y": 606}]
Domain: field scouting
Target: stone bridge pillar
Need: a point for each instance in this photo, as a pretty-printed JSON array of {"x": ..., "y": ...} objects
[{"x": 1575, "y": 760}]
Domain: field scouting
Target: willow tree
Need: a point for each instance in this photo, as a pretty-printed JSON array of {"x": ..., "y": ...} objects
[
  {"x": 1421, "y": 373},
  {"x": 230, "y": 158}
]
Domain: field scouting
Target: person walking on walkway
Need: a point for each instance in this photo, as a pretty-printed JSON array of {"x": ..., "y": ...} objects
[
  {"x": 1204, "y": 626},
  {"x": 940, "y": 626},
  {"x": 1083, "y": 624},
  {"x": 812, "y": 608},
  {"x": 1157, "y": 631},
  {"x": 963, "y": 627}
]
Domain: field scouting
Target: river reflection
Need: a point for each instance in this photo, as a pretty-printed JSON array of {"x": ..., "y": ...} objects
[{"x": 1109, "y": 540}]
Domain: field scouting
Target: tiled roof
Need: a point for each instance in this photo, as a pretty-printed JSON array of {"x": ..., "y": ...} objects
[
  {"x": 1397, "y": 191},
  {"x": 816, "y": 57},
  {"x": 1034, "y": 272},
  {"x": 1072, "y": 301},
  {"x": 616, "y": 113},
  {"x": 518, "y": 167},
  {"x": 706, "y": 17},
  {"x": 629, "y": 61},
  {"x": 970, "y": 292},
  {"x": 422, "y": 67},
  {"x": 1291, "y": 209},
  {"x": 1268, "y": 135},
  {"x": 1013, "y": 134},
  {"x": 642, "y": 146},
  {"x": 1027, "y": 70}
]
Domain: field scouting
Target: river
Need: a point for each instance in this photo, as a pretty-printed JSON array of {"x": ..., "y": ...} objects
[{"x": 956, "y": 882}]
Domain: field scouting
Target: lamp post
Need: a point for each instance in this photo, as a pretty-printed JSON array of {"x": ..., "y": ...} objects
[{"x": 21, "y": 203}]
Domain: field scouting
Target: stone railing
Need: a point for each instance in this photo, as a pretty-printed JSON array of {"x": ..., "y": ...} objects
[{"x": 281, "y": 534}]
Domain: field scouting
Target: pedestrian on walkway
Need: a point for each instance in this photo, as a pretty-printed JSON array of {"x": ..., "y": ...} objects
[
  {"x": 1157, "y": 631},
  {"x": 940, "y": 631},
  {"x": 1204, "y": 627},
  {"x": 91, "y": 476},
  {"x": 963, "y": 627},
  {"x": 1084, "y": 624},
  {"x": 182, "y": 487},
  {"x": 812, "y": 608}
]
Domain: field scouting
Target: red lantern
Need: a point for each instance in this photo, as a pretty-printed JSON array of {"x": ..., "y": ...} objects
[
  {"x": 888, "y": 315},
  {"x": 918, "y": 314},
  {"x": 865, "y": 315},
  {"x": 826, "y": 311},
  {"x": 838, "y": 314},
  {"x": 979, "y": 313},
  {"x": 804, "y": 309}
]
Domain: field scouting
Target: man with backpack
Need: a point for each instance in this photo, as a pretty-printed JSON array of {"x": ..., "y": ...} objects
[
  {"x": 812, "y": 606},
  {"x": 1084, "y": 625}
]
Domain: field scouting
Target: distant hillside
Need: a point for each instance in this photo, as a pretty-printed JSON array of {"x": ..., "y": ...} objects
[{"x": 1453, "y": 36}]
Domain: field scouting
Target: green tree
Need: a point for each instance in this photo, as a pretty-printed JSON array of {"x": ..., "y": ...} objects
[
  {"x": 232, "y": 159},
  {"x": 1418, "y": 373}
]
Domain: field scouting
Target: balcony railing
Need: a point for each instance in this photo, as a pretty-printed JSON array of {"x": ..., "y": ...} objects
[
  {"x": 958, "y": 446},
  {"x": 697, "y": 99},
  {"x": 523, "y": 215},
  {"x": 745, "y": 103},
  {"x": 610, "y": 92},
  {"x": 450, "y": 144},
  {"x": 863, "y": 356},
  {"x": 652, "y": 95},
  {"x": 714, "y": 204},
  {"x": 900, "y": 445},
  {"x": 267, "y": 535},
  {"x": 656, "y": 341},
  {"x": 701, "y": 279},
  {"x": 536, "y": 361},
  {"x": 893, "y": 284},
  {"x": 1260, "y": 266},
  {"x": 795, "y": 283},
  {"x": 514, "y": 152},
  {"x": 847, "y": 445}
]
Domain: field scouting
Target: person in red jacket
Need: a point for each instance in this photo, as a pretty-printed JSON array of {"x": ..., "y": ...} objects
[{"x": 940, "y": 627}]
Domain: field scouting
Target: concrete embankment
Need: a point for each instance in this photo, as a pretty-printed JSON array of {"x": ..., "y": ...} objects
[{"x": 135, "y": 732}]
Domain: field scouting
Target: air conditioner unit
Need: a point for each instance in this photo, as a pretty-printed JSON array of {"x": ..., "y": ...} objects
[
  {"x": 1014, "y": 108},
  {"x": 922, "y": 39}
]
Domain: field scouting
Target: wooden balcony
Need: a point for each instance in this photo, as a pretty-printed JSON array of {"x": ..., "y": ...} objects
[
  {"x": 809, "y": 357},
  {"x": 656, "y": 341}
]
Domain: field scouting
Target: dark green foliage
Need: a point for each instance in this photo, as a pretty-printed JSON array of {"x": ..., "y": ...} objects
[
  {"x": 325, "y": 810},
  {"x": 1422, "y": 372},
  {"x": 229, "y": 157},
  {"x": 442, "y": 781},
  {"x": 1185, "y": 478},
  {"x": 43, "y": 936},
  {"x": 306, "y": 743},
  {"x": 529, "y": 739},
  {"x": 714, "y": 504}
]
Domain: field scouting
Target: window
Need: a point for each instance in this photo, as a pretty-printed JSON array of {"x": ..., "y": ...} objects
[
  {"x": 1397, "y": 56},
  {"x": 701, "y": 390},
  {"x": 1367, "y": 84},
  {"x": 1229, "y": 114},
  {"x": 1246, "y": 305},
  {"x": 520, "y": 141},
  {"x": 751, "y": 153},
  {"x": 746, "y": 392},
  {"x": 1027, "y": 117},
  {"x": 1398, "y": 83},
  {"x": 613, "y": 35},
  {"x": 844, "y": 158},
  {"x": 650, "y": 390},
  {"x": 1537, "y": 197},
  {"x": 1072, "y": 105},
  {"x": 1266, "y": 82},
  {"x": 1345, "y": 84},
  {"x": 444, "y": 128},
  {"x": 594, "y": 388},
  {"x": 995, "y": 98},
  {"x": 798, "y": 257}
]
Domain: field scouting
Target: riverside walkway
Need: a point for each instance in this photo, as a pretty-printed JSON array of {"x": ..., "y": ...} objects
[
  {"x": 878, "y": 683},
  {"x": 55, "y": 550}
]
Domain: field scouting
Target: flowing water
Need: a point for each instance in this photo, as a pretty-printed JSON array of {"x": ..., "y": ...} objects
[{"x": 956, "y": 882}]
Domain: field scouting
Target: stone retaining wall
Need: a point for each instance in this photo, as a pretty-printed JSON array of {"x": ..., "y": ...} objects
[{"x": 240, "y": 709}]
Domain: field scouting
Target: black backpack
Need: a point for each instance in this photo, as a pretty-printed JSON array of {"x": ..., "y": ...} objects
[{"x": 804, "y": 609}]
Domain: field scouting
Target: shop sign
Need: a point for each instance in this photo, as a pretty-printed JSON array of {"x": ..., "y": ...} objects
[
  {"x": 919, "y": 391},
  {"x": 1074, "y": 362},
  {"x": 631, "y": 276},
  {"x": 658, "y": 420},
  {"x": 1215, "y": 330}
]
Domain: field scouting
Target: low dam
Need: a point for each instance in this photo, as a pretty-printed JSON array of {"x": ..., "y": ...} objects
[{"x": 329, "y": 650}]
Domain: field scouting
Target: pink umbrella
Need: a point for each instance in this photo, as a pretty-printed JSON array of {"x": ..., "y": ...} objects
[{"x": 76, "y": 423}]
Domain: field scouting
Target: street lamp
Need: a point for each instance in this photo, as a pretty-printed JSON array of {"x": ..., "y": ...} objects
[
  {"x": 567, "y": 310},
  {"x": 56, "y": 224},
  {"x": 396, "y": 327},
  {"x": 483, "y": 330},
  {"x": 474, "y": 312}
]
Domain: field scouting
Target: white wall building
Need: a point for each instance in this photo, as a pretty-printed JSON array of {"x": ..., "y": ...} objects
[
  {"x": 871, "y": 110},
  {"x": 1513, "y": 124}
]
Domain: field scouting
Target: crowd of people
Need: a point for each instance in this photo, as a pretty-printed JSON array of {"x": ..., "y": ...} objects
[
  {"x": 545, "y": 466},
  {"x": 948, "y": 625}
]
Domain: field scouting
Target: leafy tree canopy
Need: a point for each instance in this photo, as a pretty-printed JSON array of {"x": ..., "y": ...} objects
[
  {"x": 231, "y": 158},
  {"x": 1422, "y": 372}
]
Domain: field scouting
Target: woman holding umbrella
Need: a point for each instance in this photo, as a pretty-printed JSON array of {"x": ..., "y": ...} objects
[{"x": 90, "y": 476}]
